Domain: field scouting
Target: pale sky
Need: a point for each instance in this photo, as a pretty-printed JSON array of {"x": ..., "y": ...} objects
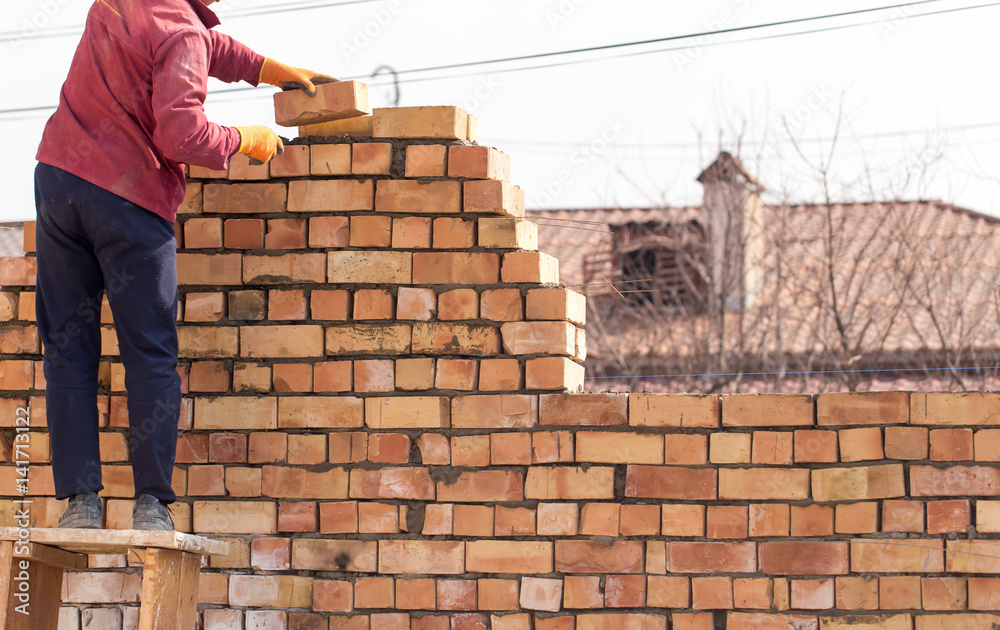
[{"x": 917, "y": 96}]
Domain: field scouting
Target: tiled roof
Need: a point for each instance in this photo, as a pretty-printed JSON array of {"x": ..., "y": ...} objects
[{"x": 912, "y": 278}]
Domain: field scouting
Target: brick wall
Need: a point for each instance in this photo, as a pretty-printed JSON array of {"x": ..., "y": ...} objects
[{"x": 376, "y": 367}]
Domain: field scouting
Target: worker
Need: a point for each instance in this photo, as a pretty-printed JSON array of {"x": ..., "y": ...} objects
[{"x": 108, "y": 185}]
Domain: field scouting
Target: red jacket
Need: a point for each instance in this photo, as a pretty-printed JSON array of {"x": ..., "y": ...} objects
[{"x": 131, "y": 112}]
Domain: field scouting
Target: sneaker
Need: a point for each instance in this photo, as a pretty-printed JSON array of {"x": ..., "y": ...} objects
[
  {"x": 150, "y": 513},
  {"x": 83, "y": 512}
]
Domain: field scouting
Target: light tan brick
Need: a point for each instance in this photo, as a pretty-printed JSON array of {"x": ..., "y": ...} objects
[
  {"x": 368, "y": 267},
  {"x": 425, "y": 160},
  {"x": 508, "y": 233},
  {"x": 244, "y": 198},
  {"x": 234, "y": 413},
  {"x": 368, "y": 339},
  {"x": 858, "y": 483},
  {"x": 493, "y": 197},
  {"x": 569, "y": 482},
  {"x": 210, "y": 269},
  {"x": 332, "y": 101},
  {"x": 235, "y": 517},
  {"x": 289, "y": 341},
  {"x": 606, "y": 447},
  {"x": 429, "y": 557},
  {"x": 284, "y": 268},
  {"x": 410, "y": 412},
  {"x": 455, "y": 338},
  {"x": 330, "y": 195},
  {"x": 444, "y": 122},
  {"x": 354, "y": 126},
  {"x": 313, "y": 412}
]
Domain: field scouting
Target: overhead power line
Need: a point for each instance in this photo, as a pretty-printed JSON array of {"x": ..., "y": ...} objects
[
  {"x": 613, "y": 46},
  {"x": 265, "y": 9}
]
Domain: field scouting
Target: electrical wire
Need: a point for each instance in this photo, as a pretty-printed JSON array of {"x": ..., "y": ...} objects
[
  {"x": 267, "y": 9},
  {"x": 619, "y": 45}
]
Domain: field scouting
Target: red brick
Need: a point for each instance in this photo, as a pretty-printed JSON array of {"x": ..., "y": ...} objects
[
  {"x": 330, "y": 159},
  {"x": 712, "y": 557},
  {"x": 371, "y": 231},
  {"x": 529, "y": 268},
  {"x": 566, "y": 482},
  {"x": 425, "y": 160},
  {"x": 857, "y": 408},
  {"x": 811, "y": 520},
  {"x": 458, "y": 304},
  {"x": 292, "y": 377},
  {"x": 857, "y": 593},
  {"x": 730, "y": 448},
  {"x": 673, "y": 410},
  {"x": 584, "y": 591},
  {"x": 772, "y": 448},
  {"x": 415, "y": 594},
  {"x": 296, "y": 483},
  {"x": 331, "y": 101},
  {"x": 285, "y": 234},
  {"x": 411, "y": 233},
  {"x": 336, "y": 195},
  {"x": 287, "y": 305},
  {"x": 202, "y": 233},
  {"x": 244, "y": 233},
  {"x": 284, "y": 268},
  {"x": 899, "y": 592},
  {"x": 640, "y": 520},
  {"x": 683, "y": 520},
  {"x": 711, "y": 592},
  {"x": 473, "y": 520},
  {"x": 967, "y": 408},
  {"x": 456, "y": 595},
  {"x": 373, "y": 304},
  {"x": 307, "y": 449},
  {"x": 393, "y": 483},
  {"x": 453, "y": 233},
  {"x": 17, "y": 271},
  {"x": 954, "y": 516},
  {"x": 670, "y": 482},
  {"x": 500, "y": 375},
  {"x": 552, "y": 447},
  {"x": 973, "y": 556},
  {"x": 469, "y": 268},
  {"x": 447, "y": 338},
  {"x": 509, "y": 556},
  {"x": 954, "y": 481},
  {"x": 374, "y": 592},
  {"x": 857, "y": 518},
  {"x": 886, "y": 556},
  {"x": 861, "y": 444},
  {"x": 293, "y": 162},
  {"x": 764, "y": 483},
  {"x": 599, "y": 519},
  {"x": 584, "y": 556},
  {"x": 943, "y": 593},
  {"x": 951, "y": 445},
  {"x": 623, "y": 621},
  {"x": 753, "y": 593},
  {"x": 227, "y": 447},
  {"x": 18, "y": 339},
  {"x": 333, "y": 596},
  {"x": 685, "y": 449},
  {"x": 410, "y": 196},
  {"x": 329, "y": 304},
  {"x": 760, "y": 621},
  {"x": 984, "y": 593},
  {"x": 903, "y": 516},
  {"x": 625, "y": 591},
  {"x": 803, "y": 558},
  {"x": 813, "y": 446},
  {"x": 813, "y": 594},
  {"x": 767, "y": 410},
  {"x": 296, "y": 516},
  {"x": 243, "y": 198},
  {"x": 411, "y": 412},
  {"x": 482, "y": 487},
  {"x": 510, "y": 449},
  {"x": 769, "y": 519},
  {"x": 478, "y": 162},
  {"x": 371, "y": 158},
  {"x": 726, "y": 521},
  {"x": 493, "y": 197},
  {"x": 514, "y": 521},
  {"x": 329, "y": 232},
  {"x": 378, "y": 518},
  {"x": 906, "y": 443},
  {"x": 694, "y": 621},
  {"x": 332, "y": 376}
]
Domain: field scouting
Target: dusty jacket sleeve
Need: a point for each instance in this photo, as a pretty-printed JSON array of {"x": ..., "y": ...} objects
[
  {"x": 182, "y": 132},
  {"x": 232, "y": 61}
]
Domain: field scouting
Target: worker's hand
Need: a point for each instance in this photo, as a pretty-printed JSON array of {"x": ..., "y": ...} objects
[
  {"x": 259, "y": 142},
  {"x": 276, "y": 73}
]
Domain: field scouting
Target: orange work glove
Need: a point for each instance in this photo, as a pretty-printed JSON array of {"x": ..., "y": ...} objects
[
  {"x": 278, "y": 74},
  {"x": 259, "y": 142}
]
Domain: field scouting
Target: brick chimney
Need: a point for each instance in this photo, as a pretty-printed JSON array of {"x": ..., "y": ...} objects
[{"x": 732, "y": 214}]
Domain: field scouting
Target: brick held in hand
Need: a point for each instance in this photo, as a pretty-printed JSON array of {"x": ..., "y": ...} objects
[{"x": 333, "y": 101}]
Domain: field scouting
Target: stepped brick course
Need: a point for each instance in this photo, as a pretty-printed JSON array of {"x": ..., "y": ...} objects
[{"x": 382, "y": 415}]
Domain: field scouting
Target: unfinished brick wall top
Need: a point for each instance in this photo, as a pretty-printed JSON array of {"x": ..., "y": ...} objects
[{"x": 376, "y": 416}]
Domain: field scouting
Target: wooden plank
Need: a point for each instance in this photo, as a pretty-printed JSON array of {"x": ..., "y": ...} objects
[
  {"x": 42, "y": 596},
  {"x": 118, "y": 540},
  {"x": 187, "y": 608},
  {"x": 162, "y": 590},
  {"x": 55, "y": 557}
]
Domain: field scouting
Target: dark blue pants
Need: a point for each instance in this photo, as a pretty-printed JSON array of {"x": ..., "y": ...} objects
[{"x": 91, "y": 242}]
